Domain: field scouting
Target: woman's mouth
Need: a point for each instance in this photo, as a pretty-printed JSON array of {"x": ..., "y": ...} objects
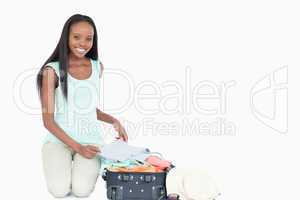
[{"x": 80, "y": 50}]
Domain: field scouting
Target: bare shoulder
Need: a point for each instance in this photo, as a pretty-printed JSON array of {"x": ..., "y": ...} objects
[{"x": 49, "y": 76}]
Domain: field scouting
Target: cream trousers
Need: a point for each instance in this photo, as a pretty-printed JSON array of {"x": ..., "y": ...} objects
[{"x": 68, "y": 172}]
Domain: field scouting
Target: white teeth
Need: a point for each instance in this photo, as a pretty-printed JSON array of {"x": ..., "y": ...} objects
[{"x": 80, "y": 50}]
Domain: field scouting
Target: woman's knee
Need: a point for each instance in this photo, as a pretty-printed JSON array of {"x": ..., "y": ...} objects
[
  {"x": 82, "y": 190},
  {"x": 59, "y": 191}
]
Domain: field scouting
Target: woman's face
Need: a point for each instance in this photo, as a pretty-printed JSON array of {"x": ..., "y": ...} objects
[{"x": 80, "y": 39}]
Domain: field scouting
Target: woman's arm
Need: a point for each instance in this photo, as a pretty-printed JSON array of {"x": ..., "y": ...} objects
[
  {"x": 101, "y": 116},
  {"x": 48, "y": 105}
]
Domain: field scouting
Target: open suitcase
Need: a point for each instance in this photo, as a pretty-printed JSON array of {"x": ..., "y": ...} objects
[{"x": 135, "y": 185}]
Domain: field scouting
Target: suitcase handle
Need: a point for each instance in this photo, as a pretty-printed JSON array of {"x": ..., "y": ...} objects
[{"x": 104, "y": 174}]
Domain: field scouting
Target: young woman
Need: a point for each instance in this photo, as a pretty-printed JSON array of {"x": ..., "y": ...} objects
[{"x": 68, "y": 86}]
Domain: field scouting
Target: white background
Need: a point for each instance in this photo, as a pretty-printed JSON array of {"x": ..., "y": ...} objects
[{"x": 219, "y": 41}]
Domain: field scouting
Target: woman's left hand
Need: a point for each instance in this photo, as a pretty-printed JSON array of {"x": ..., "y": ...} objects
[{"x": 121, "y": 131}]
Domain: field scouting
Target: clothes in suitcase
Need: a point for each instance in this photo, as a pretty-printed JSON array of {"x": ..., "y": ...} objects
[{"x": 135, "y": 185}]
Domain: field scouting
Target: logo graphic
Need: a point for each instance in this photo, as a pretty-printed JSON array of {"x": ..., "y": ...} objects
[{"x": 269, "y": 100}]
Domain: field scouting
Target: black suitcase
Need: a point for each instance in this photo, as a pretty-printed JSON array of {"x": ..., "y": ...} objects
[{"x": 135, "y": 185}]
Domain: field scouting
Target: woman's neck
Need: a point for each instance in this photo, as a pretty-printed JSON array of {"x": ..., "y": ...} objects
[{"x": 74, "y": 60}]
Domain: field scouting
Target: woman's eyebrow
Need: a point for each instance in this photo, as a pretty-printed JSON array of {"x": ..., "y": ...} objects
[{"x": 90, "y": 35}]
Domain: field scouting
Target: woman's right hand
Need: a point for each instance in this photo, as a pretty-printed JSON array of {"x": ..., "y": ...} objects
[{"x": 88, "y": 151}]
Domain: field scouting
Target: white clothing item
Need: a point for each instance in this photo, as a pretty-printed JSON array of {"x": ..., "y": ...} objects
[
  {"x": 191, "y": 184},
  {"x": 121, "y": 151}
]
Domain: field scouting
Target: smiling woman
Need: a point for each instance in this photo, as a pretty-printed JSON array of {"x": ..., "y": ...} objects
[
  {"x": 80, "y": 42},
  {"x": 81, "y": 38},
  {"x": 68, "y": 85}
]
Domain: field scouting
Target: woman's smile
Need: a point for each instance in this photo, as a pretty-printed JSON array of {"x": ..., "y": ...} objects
[{"x": 80, "y": 50}]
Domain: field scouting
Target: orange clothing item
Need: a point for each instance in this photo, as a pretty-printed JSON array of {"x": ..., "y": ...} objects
[{"x": 142, "y": 168}]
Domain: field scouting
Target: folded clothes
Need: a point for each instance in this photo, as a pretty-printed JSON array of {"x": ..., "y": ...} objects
[
  {"x": 158, "y": 162},
  {"x": 126, "y": 163},
  {"x": 142, "y": 168},
  {"x": 120, "y": 156},
  {"x": 121, "y": 151}
]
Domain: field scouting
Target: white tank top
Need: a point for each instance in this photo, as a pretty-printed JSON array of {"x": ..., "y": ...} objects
[{"x": 77, "y": 116}]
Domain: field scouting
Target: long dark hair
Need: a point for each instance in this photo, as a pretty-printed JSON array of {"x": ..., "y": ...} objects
[{"x": 61, "y": 53}]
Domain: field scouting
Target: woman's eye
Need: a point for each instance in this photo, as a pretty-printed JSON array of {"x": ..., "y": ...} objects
[
  {"x": 89, "y": 39},
  {"x": 76, "y": 37}
]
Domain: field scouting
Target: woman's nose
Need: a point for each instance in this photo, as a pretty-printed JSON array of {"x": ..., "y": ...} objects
[{"x": 82, "y": 43}]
